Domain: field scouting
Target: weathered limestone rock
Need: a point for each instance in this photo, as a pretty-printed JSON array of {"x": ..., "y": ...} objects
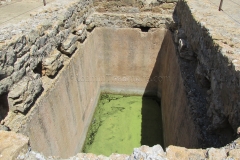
[
  {"x": 116, "y": 156},
  {"x": 87, "y": 156},
  {"x": 121, "y": 20},
  {"x": 12, "y": 145},
  {"x": 145, "y": 152},
  {"x": 23, "y": 94},
  {"x": 69, "y": 42},
  {"x": 234, "y": 153},
  {"x": 83, "y": 37},
  {"x": 21, "y": 61},
  {"x": 213, "y": 153},
  {"x": 5, "y": 84},
  {"x": 70, "y": 50},
  {"x": 4, "y": 128},
  {"x": 174, "y": 152},
  {"x": 52, "y": 63},
  {"x": 80, "y": 29}
]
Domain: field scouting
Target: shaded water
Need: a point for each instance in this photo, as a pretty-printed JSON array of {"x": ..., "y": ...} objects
[{"x": 121, "y": 123}]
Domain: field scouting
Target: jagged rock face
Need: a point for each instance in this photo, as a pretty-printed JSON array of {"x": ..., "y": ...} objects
[
  {"x": 52, "y": 63},
  {"x": 23, "y": 94},
  {"x": 217, "y": 65}
]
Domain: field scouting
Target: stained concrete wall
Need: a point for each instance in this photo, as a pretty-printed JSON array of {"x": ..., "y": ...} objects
[{"x": 178, "y": 124}]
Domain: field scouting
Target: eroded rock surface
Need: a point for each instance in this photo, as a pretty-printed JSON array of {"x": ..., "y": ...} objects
[
  {"x": 23, "y": 94},
  {"x": 52, "y": 63},
  {"x": 12, "y": 145}
]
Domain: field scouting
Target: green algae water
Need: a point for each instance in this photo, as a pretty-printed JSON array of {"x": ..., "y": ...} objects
[{"x": 121, "y": 123}]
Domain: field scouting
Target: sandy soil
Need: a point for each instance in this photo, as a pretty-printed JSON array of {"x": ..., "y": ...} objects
[
  {"x": 18, "y": 10},
  {"x": 230, "y": 8}
]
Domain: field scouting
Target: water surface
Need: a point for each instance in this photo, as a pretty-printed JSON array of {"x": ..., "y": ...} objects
[{"x": 121, "y": 123}]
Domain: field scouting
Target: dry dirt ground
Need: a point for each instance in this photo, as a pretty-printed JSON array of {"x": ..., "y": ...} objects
[
  {"x": 230, "y": 8},
  {"x": 17, "y": 10}
]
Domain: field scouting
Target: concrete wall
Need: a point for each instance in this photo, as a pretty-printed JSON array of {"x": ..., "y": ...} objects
[
  {"x": 178, "y": 125},
  {"x": 61, "y": 117}
]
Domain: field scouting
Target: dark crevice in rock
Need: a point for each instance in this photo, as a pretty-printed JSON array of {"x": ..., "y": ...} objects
[
  {"x": 2, "y": 75},
  {"x": 38, "y": 69},
  {"x": 226, "y": 134},
  {"x": 4, "y": 106},
  {"x": 144, "y": 29}
]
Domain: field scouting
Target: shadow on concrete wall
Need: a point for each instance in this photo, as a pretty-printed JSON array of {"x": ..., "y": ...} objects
[{"x": 152, "y": 128}]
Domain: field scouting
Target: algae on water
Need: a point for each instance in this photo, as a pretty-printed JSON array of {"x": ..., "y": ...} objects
[{"x": 117, "y": 125}]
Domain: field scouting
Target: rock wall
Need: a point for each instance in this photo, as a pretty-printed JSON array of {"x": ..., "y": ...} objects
[
  {"x": 178, "y": 122},
  {"x": 214, "y": 50},
  {"x": 28, "y": 54}
]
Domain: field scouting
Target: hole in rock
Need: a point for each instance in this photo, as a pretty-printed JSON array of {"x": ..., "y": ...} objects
[
  {"x": 4, "y": 106},
  {"x": 144, "y": 29},
  {"x": 38, "y": 69}
]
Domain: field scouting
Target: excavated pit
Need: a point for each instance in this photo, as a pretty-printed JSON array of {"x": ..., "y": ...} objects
[
  {"x": 126, "y": 61},
  {"x": 52, "y": 77},
  {"x": 119, "y": 61}
]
